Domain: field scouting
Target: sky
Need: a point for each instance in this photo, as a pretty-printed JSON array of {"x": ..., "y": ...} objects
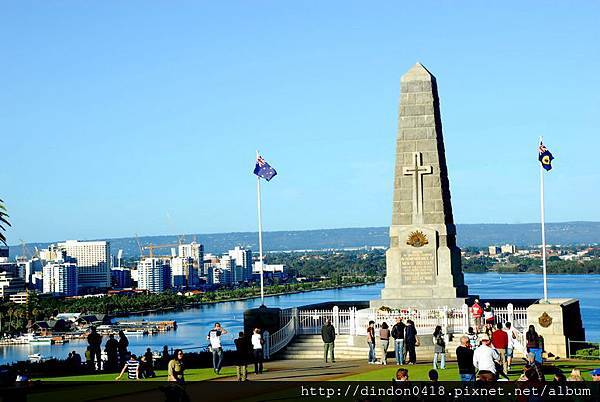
[{"x": 144, "y": 117}]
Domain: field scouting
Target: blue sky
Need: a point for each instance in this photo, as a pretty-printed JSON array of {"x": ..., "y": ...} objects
[{"x": 144, "y": 116}]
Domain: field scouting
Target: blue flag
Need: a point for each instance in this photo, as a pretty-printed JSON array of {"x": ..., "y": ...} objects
[
  {"x": 545, "y": 157},
  {"x": 263, "y": 169}
]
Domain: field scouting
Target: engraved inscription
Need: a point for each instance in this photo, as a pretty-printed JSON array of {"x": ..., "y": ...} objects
[{"x": 417, "y": 267}]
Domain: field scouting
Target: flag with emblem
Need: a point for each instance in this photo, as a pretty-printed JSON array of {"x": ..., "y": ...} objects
[
  {"x": 263, "y": 169},
  {"x": 545, "y": 157}
]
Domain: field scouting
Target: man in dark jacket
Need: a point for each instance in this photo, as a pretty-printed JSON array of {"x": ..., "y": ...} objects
[
  {"x": 398, "y": 335},
  {"x": 242, "y": 351},
  {"x": 464, "y": 357},
  {"x": 112, "y": 351},
  {"x": 410, "y": 341},
  {"x": 328, "y": 335},
  {"x": 95, "y": 341}
]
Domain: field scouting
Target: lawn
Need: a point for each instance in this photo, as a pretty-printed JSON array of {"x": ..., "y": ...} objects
[
  {"x": 161, "y": 375},
  {"x": 419, "y": 372}
]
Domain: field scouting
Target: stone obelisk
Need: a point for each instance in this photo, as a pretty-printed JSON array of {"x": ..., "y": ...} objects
[{"x": 423, "y": 261}]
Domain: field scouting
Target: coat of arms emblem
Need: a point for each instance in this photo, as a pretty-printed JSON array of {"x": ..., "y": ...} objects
[
  {"x": 417, "y": 239},
  {"x": 545, "y": 320}
]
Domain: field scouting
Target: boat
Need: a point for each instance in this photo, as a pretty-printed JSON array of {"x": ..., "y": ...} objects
[
  {"x": 36, "y": 358},
  {"x": 44, "y": 340},
  {"x": 133, "y": 332}
]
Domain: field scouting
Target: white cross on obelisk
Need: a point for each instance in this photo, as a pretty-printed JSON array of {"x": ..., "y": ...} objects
[{"x": 417, "y": 170}]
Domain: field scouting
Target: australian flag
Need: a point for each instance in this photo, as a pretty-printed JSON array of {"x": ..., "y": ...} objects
[
  {"x": 545, "y": 157},
  {"x": 263, "y": 169}
]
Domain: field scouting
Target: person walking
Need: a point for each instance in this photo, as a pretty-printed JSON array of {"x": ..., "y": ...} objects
[
  {"x": 175, "y": 368},
  {"x": 439, "y": 348},
  {"x": 477, "y": 313},
  {"x": 512, "y": 337},
  {"x": 95, "y": 341},
  {"x": 485, "y": 357},
  {"x": 132, "y": 366},
  {"x": 500, "y": 343},
  {"x": 398, "y": 335},
  {"x": 123, "y": 345},
  {"x": 257, "y": 351},
  {"x": 112, "y": 353},
  {"x": 488, "y": 313},
  {"x": 384, "y": 337},
  {"x": 241, "y": 351},
  {"x": 410, "y": 341},
  {"x": 328, "y": 336},
  {"x": 534, "y": 344},
  {"x": 214, "y": 337},
  {"x": 371, "y": 342},
  {"x": 464, "y": 357}
]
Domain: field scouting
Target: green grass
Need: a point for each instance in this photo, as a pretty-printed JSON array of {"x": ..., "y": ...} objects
[
  {"x": 419, "y": 372},
  {"x": 161, "y": 375}
]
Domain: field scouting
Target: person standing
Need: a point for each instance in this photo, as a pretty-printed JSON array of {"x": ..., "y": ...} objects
[
  {"x": 472, "y": 338},
  {"x": 512, "y": 337},
  {"x": 477, "y": 313},
  {"x": 439, "y": 347},
  {"x": 500, "y": 342},
  {"x": 328, "y": 336},
  {"x": 371, "y": 342},
  {"x": 398, "y": 335},
  {"x": 533, "y": 343},
  {"x": 123, "y": 345},
  {"x": 95, "y": 341},
  {"x": 214, "y": 337},
  {"x": 149, "y": 360},
  {"x": 410, "y": 341},
  {"x": 257, "y": 351},
  {"x": 464, "y": 357},
  {"x": 241, "y": 350},
  {"x": 485, "y": 357},
  {"x": 112, "y": 352},
  {"x": 384, "y": 337}
]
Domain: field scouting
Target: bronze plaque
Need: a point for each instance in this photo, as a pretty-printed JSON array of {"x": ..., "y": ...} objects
[{"x": 545, "y": 320}]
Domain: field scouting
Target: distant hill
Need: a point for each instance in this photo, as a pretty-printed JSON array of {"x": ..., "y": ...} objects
[{"x": 476, "y": 235}]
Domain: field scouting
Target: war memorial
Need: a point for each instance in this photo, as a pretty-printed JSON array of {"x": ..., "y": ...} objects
[{"x": 424, "y": 280}]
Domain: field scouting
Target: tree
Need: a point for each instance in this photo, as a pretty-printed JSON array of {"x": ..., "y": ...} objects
[{"x": 3, "y": 221}]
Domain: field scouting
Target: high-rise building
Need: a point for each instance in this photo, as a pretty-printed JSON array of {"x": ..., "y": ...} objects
[
  {"x": 121, "y": 277},
  {"x": 93, "y": 262},
  {"x": 152, "y": 274},
  {"x": 60, "y": 277},
  {"x": 193, "y": 250},
  {"x": 10, "y": 284},
  {"x": 494, "y": 250},
  {"x": 183, "y": 272},
  {"x": 508, "y": 249},
  {"x": 243, "y": 259}
]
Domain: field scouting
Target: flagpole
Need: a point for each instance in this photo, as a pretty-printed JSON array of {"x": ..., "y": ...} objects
[
  {"x": 260, "y": 249},
  {"x": 543, "y": 230}
]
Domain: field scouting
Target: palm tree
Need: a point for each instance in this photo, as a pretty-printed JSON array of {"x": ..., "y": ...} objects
[{"x": 3, "y": 220}]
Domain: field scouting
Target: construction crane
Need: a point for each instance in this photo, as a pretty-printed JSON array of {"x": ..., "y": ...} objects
[
  {"x": 137, "y": 240},
  {"x": 151, "y": 247}
]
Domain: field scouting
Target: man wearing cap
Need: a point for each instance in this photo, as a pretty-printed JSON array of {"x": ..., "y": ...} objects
[
  {"x": 477, "y": 313},
  {"x": 488, "y": 313},
  {"x": 485, "y": 357},
  {"x": 595, "y": 374}
]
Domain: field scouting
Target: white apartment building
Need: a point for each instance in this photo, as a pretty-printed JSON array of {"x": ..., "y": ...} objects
[
  {"x": 152, "y": 274},
  {"x": 93, "y": 262},
  {"x": 60, "y": 277},
  {"x": 508, "y": 249},
  {"x": 193, "y": 250},
  {"x": 243, "y": 259},
  {"x": 183, "y": 272}
]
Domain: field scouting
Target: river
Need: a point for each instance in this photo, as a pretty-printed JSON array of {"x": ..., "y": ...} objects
[{"x": 193, "y": 324}]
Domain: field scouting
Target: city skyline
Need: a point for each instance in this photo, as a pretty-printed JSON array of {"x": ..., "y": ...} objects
[{"x": 125, "y": 128}]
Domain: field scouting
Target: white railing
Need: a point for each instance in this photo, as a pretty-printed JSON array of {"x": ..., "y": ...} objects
[
  {"x": 280, "y": 338},
  {"x": 351, "y": 321}
]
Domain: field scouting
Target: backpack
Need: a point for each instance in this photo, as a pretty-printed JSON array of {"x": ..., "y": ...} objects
[{"x": 439, "y": 340}]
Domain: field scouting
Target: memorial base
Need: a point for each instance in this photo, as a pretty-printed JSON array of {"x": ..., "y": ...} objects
[{"x": 455, "y": 302}]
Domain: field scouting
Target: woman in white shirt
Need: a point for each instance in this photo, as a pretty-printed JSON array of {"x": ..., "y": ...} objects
[{"x": 257, "y": 351}]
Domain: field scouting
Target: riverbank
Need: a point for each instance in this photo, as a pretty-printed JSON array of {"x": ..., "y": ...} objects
[{"x": 243, "y": 298}]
